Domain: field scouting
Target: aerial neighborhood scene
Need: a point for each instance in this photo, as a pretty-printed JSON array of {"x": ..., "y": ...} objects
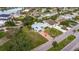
[{"x": 39, "y": 29}]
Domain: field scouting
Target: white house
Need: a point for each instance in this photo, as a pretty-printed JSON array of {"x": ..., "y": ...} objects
[{"x": 39, "y": 26}]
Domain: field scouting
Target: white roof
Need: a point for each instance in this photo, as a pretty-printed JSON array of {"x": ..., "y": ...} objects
[{"x": 39, "y": 26}]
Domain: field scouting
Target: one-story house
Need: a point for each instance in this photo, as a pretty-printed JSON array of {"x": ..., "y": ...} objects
[
  {"x": 39, "y": 26},
  {"x": 67, "y": 16},
  {"x": 50, "y": 22}
]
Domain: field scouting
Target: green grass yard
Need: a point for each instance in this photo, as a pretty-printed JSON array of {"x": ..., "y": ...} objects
[
  {"x": 63, "y": 43},
  {"x": 53, "y": 32},
  {"x": 24, "y": 40}
]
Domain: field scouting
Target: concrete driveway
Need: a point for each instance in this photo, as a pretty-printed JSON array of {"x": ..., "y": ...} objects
[{"x": 45, "y": 35}]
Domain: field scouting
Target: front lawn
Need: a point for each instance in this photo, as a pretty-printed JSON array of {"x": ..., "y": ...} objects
[
  {"x": 63, "y": 43},
  {"x": 23, "y": 40},
  {"x": 53, "y": 32}
]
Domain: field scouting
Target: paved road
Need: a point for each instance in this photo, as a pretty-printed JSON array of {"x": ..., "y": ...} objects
[
  {"x": 48, "y": 44},
  {"x": 64, "y": 35},
  {"x": 75, "y": 47},
  {"x": 43, "y": 47},
  {"x": 72, "y": 45}
]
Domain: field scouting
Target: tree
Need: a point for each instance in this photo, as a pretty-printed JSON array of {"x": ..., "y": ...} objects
[
  {"x": 65, "y": 23},
  {"x": 76, "y": 18},
  {"x": 19, "y": 42},
  {"x": 58, "y": 10},
  {"x": 54, "y": 17},
  {"x": 54, "y": 44},
  {"x": 28, "y": 21},
  {"x": 9, "y": 23}
]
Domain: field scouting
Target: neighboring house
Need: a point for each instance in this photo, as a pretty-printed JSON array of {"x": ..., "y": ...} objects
[
  {"x": 47, "y": 15},
  {"x": 39, "y": 26},
  {"x": 67, "y": 16},
  {"x": 50, "y": 22},
  {"x": 59, "y": 20}
]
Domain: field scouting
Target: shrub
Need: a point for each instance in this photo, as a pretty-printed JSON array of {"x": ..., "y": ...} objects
[
  {"x": 9, "y": 23},
  {"x": 55, "y": 44}
]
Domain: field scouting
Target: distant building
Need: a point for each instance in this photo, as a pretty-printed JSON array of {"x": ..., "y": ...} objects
[{"x": 5, "y": 16}]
